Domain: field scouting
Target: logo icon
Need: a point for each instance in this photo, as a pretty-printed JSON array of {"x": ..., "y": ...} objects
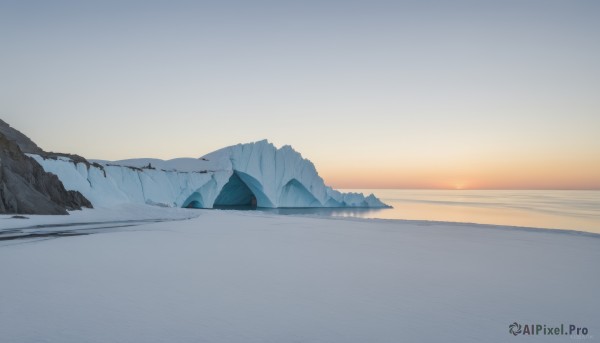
[{"x": 514, "y": 328}]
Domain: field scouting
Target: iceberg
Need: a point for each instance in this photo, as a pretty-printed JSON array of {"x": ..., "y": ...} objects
[{"x": 244, "y": 175}]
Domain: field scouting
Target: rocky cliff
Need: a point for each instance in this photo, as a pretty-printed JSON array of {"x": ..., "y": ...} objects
[{"x": 25, "y": 187}]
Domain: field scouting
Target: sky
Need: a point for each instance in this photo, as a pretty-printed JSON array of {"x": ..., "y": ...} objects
[{"x": 378, "y": 94}]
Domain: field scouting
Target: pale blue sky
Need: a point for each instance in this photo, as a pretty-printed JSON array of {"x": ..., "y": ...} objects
[{"x": 398, "y": 87}]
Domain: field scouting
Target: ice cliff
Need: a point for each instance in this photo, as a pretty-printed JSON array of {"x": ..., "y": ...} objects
[{"x": 254, "y": 174}]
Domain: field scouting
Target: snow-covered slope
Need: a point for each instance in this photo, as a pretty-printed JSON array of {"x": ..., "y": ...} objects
[{"x": 244, "y": 174}]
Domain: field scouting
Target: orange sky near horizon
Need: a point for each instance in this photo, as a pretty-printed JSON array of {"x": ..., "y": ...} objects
[
  {"x": 402, "y": 180},
  {"x": 445, "y": 164},
  {"x": 583, "y": 175}
]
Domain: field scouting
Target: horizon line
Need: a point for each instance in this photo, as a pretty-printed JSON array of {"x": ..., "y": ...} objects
[{"x": 475, "y": 189}]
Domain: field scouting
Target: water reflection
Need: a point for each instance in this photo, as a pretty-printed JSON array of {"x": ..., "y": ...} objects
[
  {"x": 327, "y": 211},
  {"x": 571, "y": 210},
  {"x": 558, "y": 209}
]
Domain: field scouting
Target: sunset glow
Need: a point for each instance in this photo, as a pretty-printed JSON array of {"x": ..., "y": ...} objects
[{"x": 584, "y": 174}]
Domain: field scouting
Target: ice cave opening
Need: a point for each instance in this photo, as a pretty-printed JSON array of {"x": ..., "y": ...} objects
[
  {"x": 236, "y": 195},
  {"x": 194, "y": 201},
  {"x": 194, "y": 204}
]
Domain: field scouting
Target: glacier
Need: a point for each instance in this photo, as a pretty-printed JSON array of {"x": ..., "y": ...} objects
[{"x": 244, "y": 175}]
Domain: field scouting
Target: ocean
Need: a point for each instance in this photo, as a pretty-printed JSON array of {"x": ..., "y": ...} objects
[{"x": 555, "y": 209}]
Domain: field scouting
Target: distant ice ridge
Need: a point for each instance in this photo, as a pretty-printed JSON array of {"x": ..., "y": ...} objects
[{"x": 253, "y": 174}]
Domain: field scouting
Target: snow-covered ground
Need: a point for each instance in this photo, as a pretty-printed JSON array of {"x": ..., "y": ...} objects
[{"x": 228, "y": 276}]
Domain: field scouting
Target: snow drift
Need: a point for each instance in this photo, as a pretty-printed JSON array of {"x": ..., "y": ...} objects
[{"x": 254, "y": 174}]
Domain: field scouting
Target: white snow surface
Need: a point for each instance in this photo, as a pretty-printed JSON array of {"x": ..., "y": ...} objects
[
  {"x": 276, "y": 177},
  {"x": 229, "y": 276}
]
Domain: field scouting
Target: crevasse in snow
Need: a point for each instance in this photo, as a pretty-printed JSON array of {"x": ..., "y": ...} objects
[{"x": 254, "y": 174}]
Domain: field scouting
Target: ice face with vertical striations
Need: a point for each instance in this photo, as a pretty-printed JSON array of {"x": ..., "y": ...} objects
[{"x": 244, "y": 175}]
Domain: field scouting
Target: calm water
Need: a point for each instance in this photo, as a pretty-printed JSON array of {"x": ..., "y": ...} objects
[{"x": 574, "y": 210}]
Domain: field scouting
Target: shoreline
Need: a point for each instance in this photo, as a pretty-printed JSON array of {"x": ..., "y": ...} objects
[{"x": 136, "y": 215}]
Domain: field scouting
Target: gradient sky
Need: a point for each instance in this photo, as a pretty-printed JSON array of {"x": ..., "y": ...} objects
[{"x": 406, "y": 94}]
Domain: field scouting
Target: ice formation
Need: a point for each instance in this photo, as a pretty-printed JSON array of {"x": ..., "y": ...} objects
[{"x": 254, "y": 174}]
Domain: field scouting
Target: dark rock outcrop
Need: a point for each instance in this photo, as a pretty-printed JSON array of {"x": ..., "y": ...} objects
[
  {"x": 25, "y": 144},
  {"x": 25, "y": 187},
  {"x": 29, "y": 147}
]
